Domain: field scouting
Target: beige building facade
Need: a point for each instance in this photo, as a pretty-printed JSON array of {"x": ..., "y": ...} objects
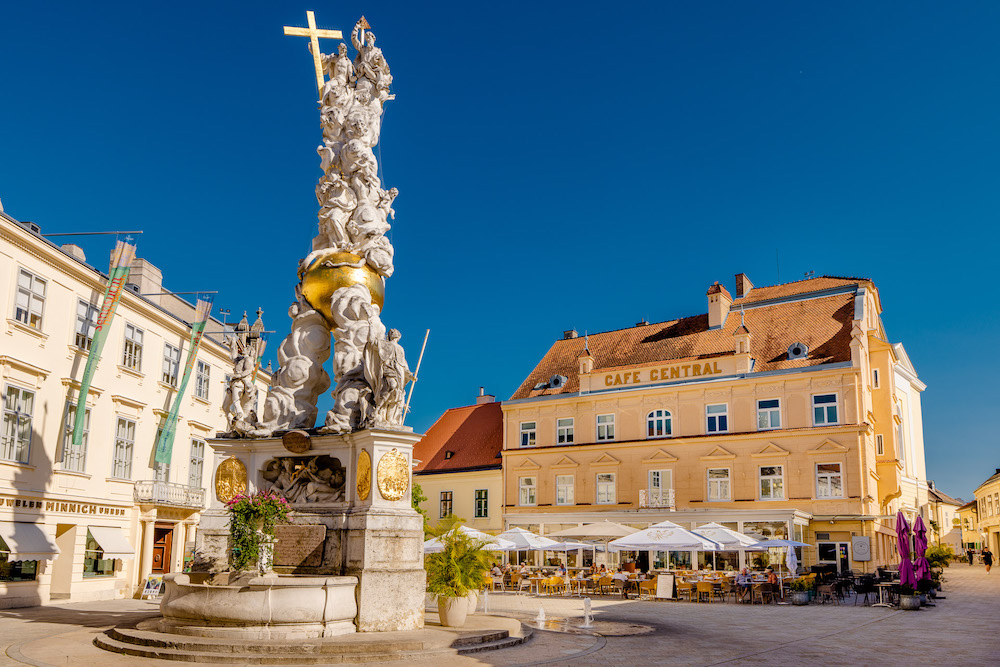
[
  {"x": 783, "y": 412},
  {"x": 92, "y": 522},
  {"x": 988, "y": 513},
  {"x": 457, "y": 465}
]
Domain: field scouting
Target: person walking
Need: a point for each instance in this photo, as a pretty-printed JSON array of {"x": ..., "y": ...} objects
[
  {"x": 987, "y": 559},
  {"x": 972, "y": 556}
]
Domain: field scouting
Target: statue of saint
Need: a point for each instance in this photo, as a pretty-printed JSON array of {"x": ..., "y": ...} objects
[{"x": 387, "y": 373}]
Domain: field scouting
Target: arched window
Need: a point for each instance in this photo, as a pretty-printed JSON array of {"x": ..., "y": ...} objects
[{"x": 658, "y": 424}]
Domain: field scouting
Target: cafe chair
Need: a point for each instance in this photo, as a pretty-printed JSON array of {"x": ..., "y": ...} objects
[
  {"x": 685, "y": 589},
  {"x": 605, "y": 585},
  {"x": 827, "y": 593},
  {"x": 705, "y": 590},
  {"x": 647, "y": 590}
]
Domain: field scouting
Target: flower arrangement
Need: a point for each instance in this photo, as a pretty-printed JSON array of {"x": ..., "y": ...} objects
[{"x": 251, "y": 524}]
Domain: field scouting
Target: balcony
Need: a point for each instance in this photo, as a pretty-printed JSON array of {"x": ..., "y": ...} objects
[
  {"x": 656, "y": 499},
  {"x": 164, "y": 493}
]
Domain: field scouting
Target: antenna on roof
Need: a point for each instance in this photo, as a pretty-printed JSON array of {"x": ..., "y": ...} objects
[{"x": 809, "y": 274}]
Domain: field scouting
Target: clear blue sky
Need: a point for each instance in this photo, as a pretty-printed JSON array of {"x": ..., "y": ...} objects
[{"x": 559, "y": 166}]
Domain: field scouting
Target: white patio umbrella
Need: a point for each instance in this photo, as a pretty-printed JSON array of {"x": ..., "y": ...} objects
[
  {"x": 434, "y": 545},
  {"x": 664, "y": 536},
  {"x": 781, "y": 543},
  {"x": 600, "y": 530},
  {"x": 730, "y": 540},
  {"x": 524, "y": 540},
  {"x": 569, "y": 545}
]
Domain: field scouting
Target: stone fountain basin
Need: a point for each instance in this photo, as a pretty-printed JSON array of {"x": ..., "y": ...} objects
[{"x": 266, "y": 607}]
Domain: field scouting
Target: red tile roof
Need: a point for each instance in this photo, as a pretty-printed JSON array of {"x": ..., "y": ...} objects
[
  {"x": 473, "y": 433},
  {"x": 824, "y": 324},
  {"x": 816, "y": 284},
  {"x": 719, "y": 288}
]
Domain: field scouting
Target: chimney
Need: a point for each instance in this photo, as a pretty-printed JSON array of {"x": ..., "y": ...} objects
[
  {"x": 484, "y": 398},
  {"x": 571, "y": 333},
  {"x": 719, "y": 301},
  {"x": 586, "y": 361},
  {"x": 743, "y": 285},
  {"x": 147, "y": 278},
  {"x": 74, "y": 250}
]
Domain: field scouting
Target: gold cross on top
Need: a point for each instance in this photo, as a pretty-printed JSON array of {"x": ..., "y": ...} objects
[{"x": 314, "y": 34}]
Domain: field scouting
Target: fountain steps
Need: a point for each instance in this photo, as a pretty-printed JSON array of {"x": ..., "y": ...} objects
[{"x": 345, "y": 649}]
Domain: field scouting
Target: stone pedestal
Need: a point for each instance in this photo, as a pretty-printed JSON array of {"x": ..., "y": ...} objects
[{"x": 372, "y": 531}]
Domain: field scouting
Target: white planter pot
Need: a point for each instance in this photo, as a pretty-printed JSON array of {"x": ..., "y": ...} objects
[
  {"x": 453, "y": 611},
  {"x": 473, "y": 598}
]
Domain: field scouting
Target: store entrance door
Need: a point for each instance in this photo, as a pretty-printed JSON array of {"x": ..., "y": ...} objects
[{"x": 163, "y": 536}]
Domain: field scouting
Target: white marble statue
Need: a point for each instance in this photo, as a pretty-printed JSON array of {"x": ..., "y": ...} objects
[
  {"x": 246, "y": 345},
  {"x": 369, "y": 370}
]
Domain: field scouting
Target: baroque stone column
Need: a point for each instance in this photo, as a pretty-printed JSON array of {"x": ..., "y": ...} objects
[
  {"x": 385, "y": 536},
  {"x": 146, "y": 562}
]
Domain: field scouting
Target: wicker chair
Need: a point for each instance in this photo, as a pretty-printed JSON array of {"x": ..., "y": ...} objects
[
  {"x": 605, "y": 584},
  {"x": 647, "y": 589},
  {"x": 705, "y": 590}
]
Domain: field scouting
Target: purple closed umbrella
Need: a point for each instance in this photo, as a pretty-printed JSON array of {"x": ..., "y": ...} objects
[
  {"x": 923, "y": 571},
  {"x": 906, "y": 576}
]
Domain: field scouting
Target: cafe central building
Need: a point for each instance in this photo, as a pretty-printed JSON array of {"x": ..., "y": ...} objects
[{"x": 784, "y": 412}]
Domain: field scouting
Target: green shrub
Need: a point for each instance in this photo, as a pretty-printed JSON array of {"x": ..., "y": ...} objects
[
  {"x": 251, "y": 521},
  {"x": 799, "y": 585},
  {"x": 939, "y": 555}
]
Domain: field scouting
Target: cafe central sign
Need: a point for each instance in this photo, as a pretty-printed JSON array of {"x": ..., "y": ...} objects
[{"x": 659, "y": 374}]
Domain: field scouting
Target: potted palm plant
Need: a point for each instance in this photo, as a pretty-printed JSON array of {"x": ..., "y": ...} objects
[
  {"x": 800, "y": 592},
  {"x": 459, "y": 569},
  {"x": 908, "y": 599}
]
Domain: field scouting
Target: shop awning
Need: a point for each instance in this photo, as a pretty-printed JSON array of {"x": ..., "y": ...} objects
[
  {"x": 112, "y": 541},
  {"x": 27, "y": 541}
]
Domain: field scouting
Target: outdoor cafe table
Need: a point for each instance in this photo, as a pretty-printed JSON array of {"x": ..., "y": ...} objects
[{"x": 881, "y": 586}]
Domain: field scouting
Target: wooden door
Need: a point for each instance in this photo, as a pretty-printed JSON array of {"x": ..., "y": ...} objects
[{"x": 162, "y": 549}]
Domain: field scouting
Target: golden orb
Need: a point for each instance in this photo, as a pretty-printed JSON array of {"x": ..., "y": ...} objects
[{"x": 332, "y": 270}]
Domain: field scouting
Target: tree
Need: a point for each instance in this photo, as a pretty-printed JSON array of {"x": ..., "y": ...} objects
[{"x": 417, "y": 497}]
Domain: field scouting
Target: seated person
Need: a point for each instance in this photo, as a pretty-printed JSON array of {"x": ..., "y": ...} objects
[
  {"x": 603, "y": 570},
  {"x": 495, "y": 571},
  {"x": 743, "y": 581},
  {"x": 524, "y": 571},
  {"x": 772, "y": 578},
  {"x": 562, "y": 570},
  {"x": 619, "y": 575}
]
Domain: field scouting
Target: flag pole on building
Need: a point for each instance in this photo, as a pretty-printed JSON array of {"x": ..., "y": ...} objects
[{"x": 121, "y": 262}]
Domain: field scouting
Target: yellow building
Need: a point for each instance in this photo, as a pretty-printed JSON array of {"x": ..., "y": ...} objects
[
  {"x": 988, "y": 506},
  {"x": 457, "y": 465},
  {"x": 968, "y": 515},
  {"x": 785, "y": 412},
  {"x": 91, "y": 522}
]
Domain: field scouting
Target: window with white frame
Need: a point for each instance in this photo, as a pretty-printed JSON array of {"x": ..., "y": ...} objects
[
  {"x": 86, "y": 324},
  {"x": 879, "y": 445},
  {"x": 124, "y": 444},
  {"x": 605, "y": 428},
  {"x": 201, "y": 379},
  {"x": 658, "y": 424},
  {"x": 161, "y": 471},
  {"x": 196, "y": 464},
  {"x": 564, "y": 431},
  {"x": 526, "y": 491},
  {"x": 772, "y": 483},
  {"x": 829, "y": 481},
  {"x": 717, "y": 418},
  {"x": 171, "y": 364},
  {"x": 875, "y": 378},
  {"x": 718, "y": 484},
  {"x": 527, "y": 434},
  {"x": 30, "y": 300},
  {"x": 132, "y": 351},
  {"x": 445, "y": 504},
  {"x": 824, "y": 409},
  {"x": 768, "y": 414},
  {"x": 606, "y": 489},
  {"x": 15, "y": 435},
  {"x": 75, "y": 457},
  {"x": 482, "y": 503},
  {"x": 660, "y": 482},
  {"x": 564, "y": 490}
]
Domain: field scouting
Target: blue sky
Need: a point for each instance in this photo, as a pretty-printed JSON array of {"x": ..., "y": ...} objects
[{"x": 558, "y": 167}]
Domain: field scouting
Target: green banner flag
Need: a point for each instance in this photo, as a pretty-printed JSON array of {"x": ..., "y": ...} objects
[
  {"x": 121, "y": 262},
  {"x": 165, "y": 445}
]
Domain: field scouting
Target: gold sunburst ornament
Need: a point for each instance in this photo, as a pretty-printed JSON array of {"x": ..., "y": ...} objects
[
  {"x": 364, "y": 475},
  {"x": 230, "y": 479},
  {"x": 393, "y": 475}
]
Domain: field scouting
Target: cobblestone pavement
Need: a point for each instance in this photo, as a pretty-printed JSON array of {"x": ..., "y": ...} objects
[{"x": 961, "y": 629}]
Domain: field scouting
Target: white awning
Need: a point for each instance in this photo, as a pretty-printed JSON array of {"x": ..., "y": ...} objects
[
  {"x": 27, "y": 541},
  {"x": 112, "y": 541}
]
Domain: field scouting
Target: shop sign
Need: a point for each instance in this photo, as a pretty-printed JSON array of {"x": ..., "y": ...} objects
[{"x": 38, "y": 504}]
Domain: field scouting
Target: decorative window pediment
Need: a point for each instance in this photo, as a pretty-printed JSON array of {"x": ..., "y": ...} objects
[
  {"x": 660, "y": 456},
  {"x": 771, "y": 450},
  {"x": 527, "y": 464},
  {"x": 719, "y": 454},
  {"x": 606, "y": 460},
  {"x": 829, "y": 447},
  {"x": 565, "y": 463}
]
